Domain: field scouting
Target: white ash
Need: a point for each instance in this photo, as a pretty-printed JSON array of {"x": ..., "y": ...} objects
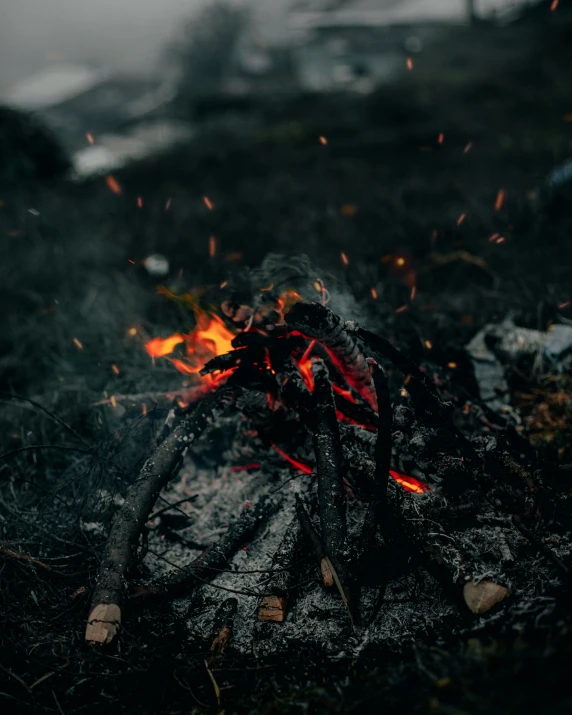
[{"x": 414, "y": 606}]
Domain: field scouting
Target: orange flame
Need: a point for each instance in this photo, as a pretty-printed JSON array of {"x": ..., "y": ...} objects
[{"x": 209, "y": 338}]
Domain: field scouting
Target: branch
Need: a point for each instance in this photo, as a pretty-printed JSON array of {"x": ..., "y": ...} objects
[{"x": 120, "y": 552}]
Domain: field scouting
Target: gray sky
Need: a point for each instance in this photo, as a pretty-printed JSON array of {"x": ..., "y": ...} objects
[{"x": 124, "y": 34}]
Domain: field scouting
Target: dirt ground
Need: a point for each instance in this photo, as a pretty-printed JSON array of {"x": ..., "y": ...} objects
[{"x": 428, "y": 169}]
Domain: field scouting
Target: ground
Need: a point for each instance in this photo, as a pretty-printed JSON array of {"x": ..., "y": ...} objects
[{"x": 428, "y": 170}]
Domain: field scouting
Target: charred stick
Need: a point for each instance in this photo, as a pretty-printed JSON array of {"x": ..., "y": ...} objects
[
  {"x": 331, "y": 495},
  {"x": 327, "y": 448},
  {"x": 278, "y": 591},
  {"x": 120, "y": 552},
  {"x": 383, "y": 445},
  {"x": 215, "y": 557},
  {"x": 385, "y": 349},
  {"x": 222, "y": 630},
  {"x": 319, "y": 323},
  {"x": 315, "y": 541}
]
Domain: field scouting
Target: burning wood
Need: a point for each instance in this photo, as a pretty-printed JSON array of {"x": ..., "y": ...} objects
[
  {"x": 318, "y": 322},
  {"x": 308, "y": 387}
]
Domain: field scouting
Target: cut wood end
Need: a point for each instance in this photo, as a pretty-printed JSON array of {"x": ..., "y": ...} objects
[
  {"x": 327, "y": 575},
  {"x": 221, "y": 640},
  {"x": 481, "y": 597},
  {"x": 272, "y": 608},
  {"x": 103, "y": 623}
]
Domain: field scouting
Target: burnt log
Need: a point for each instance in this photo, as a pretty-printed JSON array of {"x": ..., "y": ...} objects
[
  {"x": 316, "y": 321},
  {"x": 120, "y": 553},
  {"x": 212, "y": 560}
]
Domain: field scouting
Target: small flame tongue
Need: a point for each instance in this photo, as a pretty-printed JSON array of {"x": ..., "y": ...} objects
[{"x": 210, "y": 338}]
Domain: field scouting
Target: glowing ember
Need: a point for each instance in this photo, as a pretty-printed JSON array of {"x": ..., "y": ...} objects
[
  {"x": 113, "y": 185},
  {"x": 89, "y": 137},
  {"x": 428, "y": 344},
  {"x": 440, "y": 138},
  {"x": 499, "y": 200},
  {"x": 452, "y": 365},
  {"x": 139, "y": 202},
  {"x": 344, "y": 258},
  {"x": 132, "y": 332},
  {"x": 212, "y": 246},
  {"x": 461, "y": 218},
  {"x": 373, "y": 293},
  {"x": 400, "y": 261},
  {"x": 294, "y": 462},
  {"x": 409, "y": 63},
  {"x": 78, "y": 344},
  {"x": 208, "y": 203},
  {"x": 115, "y": 369},
  {"x": 410, "y": 484},
  {"x": 554, "y": 5},
  {"x": 323, "y": 141}
]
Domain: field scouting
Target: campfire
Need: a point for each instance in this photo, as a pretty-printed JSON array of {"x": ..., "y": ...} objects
[{"x": 313, "y": 498}]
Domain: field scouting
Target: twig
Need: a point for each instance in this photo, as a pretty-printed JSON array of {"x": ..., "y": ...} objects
[
  {"x": 61, "y": 447},
  {"x": 59, "y": 420}
]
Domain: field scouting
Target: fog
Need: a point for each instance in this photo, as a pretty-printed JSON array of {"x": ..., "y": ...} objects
[{"x": 123, "y": 34}]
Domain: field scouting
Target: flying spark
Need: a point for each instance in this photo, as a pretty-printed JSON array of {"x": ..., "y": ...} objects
[
  {"x": 499, "y": 200},
  {"x": 323, "y": 141},
  {"x": 115, "y": 369},
  {"x": 78, "y": 344},
  {"x": 400, "y": 261},
  {"x": 409, "y": 63},
  {"x": 139, "y": 202},
  {"x": 554, "y": 5},
  {"x": 212, "y": 246},
  {"x": 440, "y": 138},
  {"x": 461, "y": 218},
  {"x": 468, "y": 148},
  {"x": 89, "y": 138},
  {"x": 132, "y": 332},
  {"x": 208, "y": 203},
  {"x": 428, "y": 344},
  {"x": 373, "y": 293},
  {"x": 344, "y": 258},
  {"x": 113, "y": 185}
]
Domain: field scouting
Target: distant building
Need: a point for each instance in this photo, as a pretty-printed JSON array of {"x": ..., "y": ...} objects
[{"x": 358, "y": 44}]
